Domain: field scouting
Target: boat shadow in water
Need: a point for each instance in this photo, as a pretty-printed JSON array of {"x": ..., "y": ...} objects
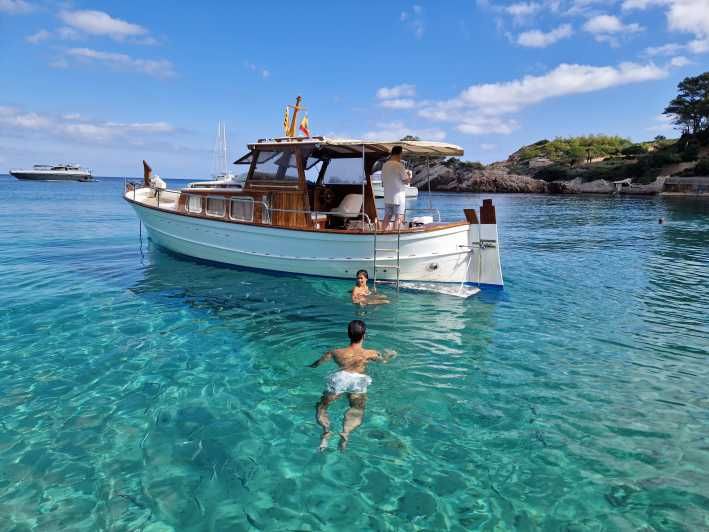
[{"x": 257, "y": 303}]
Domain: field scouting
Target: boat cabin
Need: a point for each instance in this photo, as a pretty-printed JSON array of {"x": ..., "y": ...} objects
[{"x": 312, "y": 183}]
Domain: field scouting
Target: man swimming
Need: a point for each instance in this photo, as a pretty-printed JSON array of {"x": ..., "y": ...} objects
[
  {"x": 361, "y": 294},
  {"x": 350, "y": 379}
]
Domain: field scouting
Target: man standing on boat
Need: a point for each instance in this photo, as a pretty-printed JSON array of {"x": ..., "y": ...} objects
[
  {"x": 395, "y": 177},
  {"x": 351, "y": 379}
]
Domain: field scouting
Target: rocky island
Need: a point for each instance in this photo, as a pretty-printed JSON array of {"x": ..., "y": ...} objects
[{"x": 595, "y": 164}]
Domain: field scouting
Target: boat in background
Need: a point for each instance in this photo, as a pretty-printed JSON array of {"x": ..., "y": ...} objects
[
  {"x": 411, "y": 192},
  {"x": 222, "y": 177},
  {"x": 60, "y": 172}
]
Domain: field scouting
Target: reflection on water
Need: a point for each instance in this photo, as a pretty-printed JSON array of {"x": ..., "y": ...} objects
[{"x": 148, "y": 390}]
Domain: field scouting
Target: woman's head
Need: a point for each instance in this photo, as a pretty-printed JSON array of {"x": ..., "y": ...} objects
[{"x": 362, "y": 277}]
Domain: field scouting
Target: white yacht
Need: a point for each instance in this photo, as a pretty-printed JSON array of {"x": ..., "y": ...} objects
[
  {"x": 411, "y": 192},
  {"x": 60, "y": 172}
]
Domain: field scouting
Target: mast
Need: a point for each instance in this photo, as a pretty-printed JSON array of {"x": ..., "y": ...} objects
[{"x": 296, "y": 108}]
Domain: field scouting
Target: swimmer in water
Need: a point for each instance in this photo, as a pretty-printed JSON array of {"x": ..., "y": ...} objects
[
  {"x": 361, "y": 294},
  {"x": 351, "y": 379}
]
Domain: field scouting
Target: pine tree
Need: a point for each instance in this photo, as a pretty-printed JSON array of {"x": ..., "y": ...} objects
[{"x": 690, "y": 109}]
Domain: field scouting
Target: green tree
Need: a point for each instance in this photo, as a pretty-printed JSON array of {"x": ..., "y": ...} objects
[{"x": 690, "y": 109}]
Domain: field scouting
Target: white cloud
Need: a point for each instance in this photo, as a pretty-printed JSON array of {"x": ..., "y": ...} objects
[
  {"x": 522, "y": 9},
  {"x": 414, "y": 20},
  {"x": 609, "y": 24},
  {"x": 159, "y": 68},
  {"x": 36, "y": 38},
  {"x": 15, "y": 7},
  {"x": 563, "y": 80},
  {"x": 397, "y": 130},
  {"x": 699, "y": 46},
  {"x": 522, "y": 12},
  {"x": 665, "y": 49},
  {"x": 478, "y": 109},
  {"x": 72, "y": 126},
  {"x": 608, "y": 28},
  {"x": 265, "y": 73},
  {"x": 640, "y": 5},
  {"x": 690, "y": 16},
  {"x": 101, "y": 24},
  {"x": 398, "y": 91},
  {"x": 479, "y": 124},
  {"x": 398, "y": 103},
  {"x": 539, "y": 39},
  {"x": 680, "y": 61}
]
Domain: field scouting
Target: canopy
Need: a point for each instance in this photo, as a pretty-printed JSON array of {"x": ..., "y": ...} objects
[{"x": 344, "y": 147}]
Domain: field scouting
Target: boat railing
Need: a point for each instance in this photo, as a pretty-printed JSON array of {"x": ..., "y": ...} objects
[{"x": 247, "y": 204}]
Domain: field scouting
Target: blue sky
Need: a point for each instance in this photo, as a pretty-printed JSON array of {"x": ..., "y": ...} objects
[{"x": 106, "y": 84}]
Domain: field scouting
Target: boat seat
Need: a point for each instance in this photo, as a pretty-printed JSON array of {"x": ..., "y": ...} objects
[{"x": 349, "y": 207}]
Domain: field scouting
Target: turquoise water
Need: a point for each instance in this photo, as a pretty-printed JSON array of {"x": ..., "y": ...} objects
[{"x": 142, "y": 391}]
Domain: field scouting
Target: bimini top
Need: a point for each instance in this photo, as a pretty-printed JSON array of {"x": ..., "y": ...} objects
[{"x": 351, "y": 147}]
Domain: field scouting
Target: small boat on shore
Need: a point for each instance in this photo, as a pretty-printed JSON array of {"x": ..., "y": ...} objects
[
  {"x": 60, "y": 172},
  {"x": 308, "y": 207}
]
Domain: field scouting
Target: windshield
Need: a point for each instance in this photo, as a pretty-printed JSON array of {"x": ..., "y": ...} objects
[
  {"x": 276, "y": 166},
  {"x": 345, "y": 171}
]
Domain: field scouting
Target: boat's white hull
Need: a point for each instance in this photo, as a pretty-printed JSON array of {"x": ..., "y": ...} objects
[{"x": 447, "y": 255}]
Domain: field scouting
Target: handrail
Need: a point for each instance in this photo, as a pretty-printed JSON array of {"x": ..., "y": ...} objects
[{"x": 262, "y": 203}]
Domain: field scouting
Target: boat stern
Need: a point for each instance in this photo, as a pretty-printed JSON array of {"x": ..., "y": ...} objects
[{"x": 484, "y": 266}]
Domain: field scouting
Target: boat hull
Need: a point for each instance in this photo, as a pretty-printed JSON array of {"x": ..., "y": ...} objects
[
  {"x": 444, "y": 255},
  {"x": 51, "y": 176}
]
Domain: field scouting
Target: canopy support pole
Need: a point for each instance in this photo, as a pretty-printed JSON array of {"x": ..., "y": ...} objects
[{"x": 428, "y": 178}]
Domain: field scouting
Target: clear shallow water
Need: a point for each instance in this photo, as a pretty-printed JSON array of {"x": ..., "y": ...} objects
[{"x": 140, "y": 390}]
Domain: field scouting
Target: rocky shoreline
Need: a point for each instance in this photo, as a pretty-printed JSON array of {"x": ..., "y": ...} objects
[{"x": 497, "y": 177}]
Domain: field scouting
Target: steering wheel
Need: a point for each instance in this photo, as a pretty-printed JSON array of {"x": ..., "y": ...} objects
[{"x": 327, "y": 196}]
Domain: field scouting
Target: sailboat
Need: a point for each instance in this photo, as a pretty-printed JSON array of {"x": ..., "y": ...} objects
[{"x": 221, "y": 178}]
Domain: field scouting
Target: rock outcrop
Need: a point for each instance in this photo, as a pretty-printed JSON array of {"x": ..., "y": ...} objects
[{"x": 459, "y": 178}]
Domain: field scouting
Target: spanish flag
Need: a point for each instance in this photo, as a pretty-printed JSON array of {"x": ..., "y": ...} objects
[
  {"x": 305, "y": 126},
  {"x": 285, "y": 122}
]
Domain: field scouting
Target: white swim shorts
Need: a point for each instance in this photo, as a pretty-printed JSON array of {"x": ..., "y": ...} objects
[{"x": 347, "y": 382}]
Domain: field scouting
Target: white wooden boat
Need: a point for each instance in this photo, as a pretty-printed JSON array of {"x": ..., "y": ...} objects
[{"x": 308, "y": 207}]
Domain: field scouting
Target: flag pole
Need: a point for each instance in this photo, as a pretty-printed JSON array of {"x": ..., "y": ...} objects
[{"x": 296, "y": 108}]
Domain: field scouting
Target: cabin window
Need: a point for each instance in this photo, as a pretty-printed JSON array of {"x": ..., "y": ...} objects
[
  {"x": 194, "y": 204},
  {"x": 348, "y": 171},
  {"x": 276, "y": 166},
  {"x": 242, "y": 209},
  {"x": 216, "y": 206}
]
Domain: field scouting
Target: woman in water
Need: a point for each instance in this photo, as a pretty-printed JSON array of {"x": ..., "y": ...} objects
[{"x": 361, "y": 294}]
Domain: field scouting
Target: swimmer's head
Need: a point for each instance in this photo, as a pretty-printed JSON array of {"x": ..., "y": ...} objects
[
  {"x": 362, "y": 277},
  {"x": 356, "y": 330}
]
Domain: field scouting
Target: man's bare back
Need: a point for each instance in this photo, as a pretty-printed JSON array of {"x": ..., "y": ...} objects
[{"x": 353, "y": 358}]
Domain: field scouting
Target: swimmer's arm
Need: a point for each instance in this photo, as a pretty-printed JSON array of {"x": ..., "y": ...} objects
[
  {"x": 327, "y": 356},
  {"x": 384, "y": 356}
]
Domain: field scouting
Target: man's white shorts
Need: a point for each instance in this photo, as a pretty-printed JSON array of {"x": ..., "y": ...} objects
[{"x": 391, "y": 211}]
